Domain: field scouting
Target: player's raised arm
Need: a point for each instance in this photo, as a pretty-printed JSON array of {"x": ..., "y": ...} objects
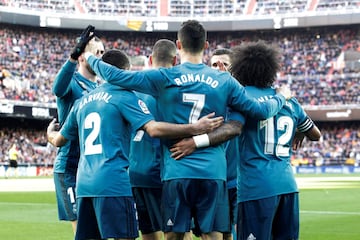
[{"x": 64, "y": 76}]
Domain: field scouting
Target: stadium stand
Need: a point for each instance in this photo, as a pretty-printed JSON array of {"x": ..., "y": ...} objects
[
  {"x": 183, "y": 8},
  {"x": 312, "y": 59}
]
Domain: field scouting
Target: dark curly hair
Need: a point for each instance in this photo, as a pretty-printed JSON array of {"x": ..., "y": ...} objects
[{"x": 255, "y": 64}]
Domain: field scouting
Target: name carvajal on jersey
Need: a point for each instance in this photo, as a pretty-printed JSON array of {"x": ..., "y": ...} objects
[{"x": 100, "y": 96}]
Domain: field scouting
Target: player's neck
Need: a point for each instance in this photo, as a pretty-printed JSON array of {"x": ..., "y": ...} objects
[
  {"x": 86, "y": 74},
  {"x": 191, "y": 58}
]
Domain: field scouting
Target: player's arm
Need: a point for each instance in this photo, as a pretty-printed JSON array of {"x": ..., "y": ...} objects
[
  {"x": 172, "y": 131},
  {"x": 54, "y": 136},
  {"x": 306, "y": 129},
  {"x": 222, "y": 134},
  {"x": 148, "y": 81},
  {"x": 259, "y": 110},
  {"x": 64, "y": 76}
]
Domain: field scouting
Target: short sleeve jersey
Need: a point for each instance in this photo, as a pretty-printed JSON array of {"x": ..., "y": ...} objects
[
  {"x": 101, "y": 120},
  {"x": 186, "y": 93},
  {"x": 146, "y": 153},
  {"x": 264, "y": 168}
]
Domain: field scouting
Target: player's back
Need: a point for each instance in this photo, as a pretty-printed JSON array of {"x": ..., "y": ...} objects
[
  {"x": 194, "y": 90},
  {"x": 265, "y": 150},
  {"x": 104, "y": 117}
]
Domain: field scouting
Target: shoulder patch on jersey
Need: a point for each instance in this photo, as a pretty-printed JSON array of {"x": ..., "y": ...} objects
[{"x": 143, "y": 106}]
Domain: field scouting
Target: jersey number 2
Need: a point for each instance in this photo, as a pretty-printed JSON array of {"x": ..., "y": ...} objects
[{"x": 92, "y": 121}]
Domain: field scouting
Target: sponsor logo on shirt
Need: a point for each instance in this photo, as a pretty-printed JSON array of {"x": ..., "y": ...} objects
[{"x": 143, "y": 107}]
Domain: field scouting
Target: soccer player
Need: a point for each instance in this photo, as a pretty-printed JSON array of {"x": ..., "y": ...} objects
[
  {"x": 268, "y": 204},
  {"x": 268, "y": 201},
  {"x": 70, "y": 84},
  {"x": 220, "y": 59},
  {"x": 101, "y": 120},
  {"x": 196, "y": 185},
  {"x": 146, "y": 156}
]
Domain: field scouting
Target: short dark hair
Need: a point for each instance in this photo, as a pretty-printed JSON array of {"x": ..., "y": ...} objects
[
  {"x": 192, "y": 36},
  {"x": 117, "y": 58},
  {"x": 163, "y": 52},
  {"x": 221, "y": 51},
  {"x": 255, "y": 64}
]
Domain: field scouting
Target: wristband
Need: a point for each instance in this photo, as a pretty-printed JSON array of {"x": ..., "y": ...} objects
[
  {"x": 201, "y": 140},
  {"x": 87, "y": 55}
]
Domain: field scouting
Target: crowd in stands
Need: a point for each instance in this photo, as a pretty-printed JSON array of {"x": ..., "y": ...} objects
[
  {"x": 31, "y": 143},
  {"x": 31, "y": 57},
  {"x": 339, "y": 145},
  {"x": 181, "y": 8}
]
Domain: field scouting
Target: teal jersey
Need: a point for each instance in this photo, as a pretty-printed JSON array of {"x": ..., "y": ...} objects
[
  {"x": 102, "y": 120},
  {"x": 68, "y": 86},
  {"x": 264, "y": 167},
  {"x": 145, "y": 153},
  {"x": 186, "y": 93}
]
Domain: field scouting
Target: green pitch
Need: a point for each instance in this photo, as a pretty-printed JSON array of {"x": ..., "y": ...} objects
[{"x": 331, "y": 211}]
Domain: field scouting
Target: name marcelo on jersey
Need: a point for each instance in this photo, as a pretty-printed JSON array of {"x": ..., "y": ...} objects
[{"x": 186, "y": 78}]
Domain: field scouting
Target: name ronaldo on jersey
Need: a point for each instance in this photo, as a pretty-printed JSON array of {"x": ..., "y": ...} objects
[{"x": 185, "y": 78}]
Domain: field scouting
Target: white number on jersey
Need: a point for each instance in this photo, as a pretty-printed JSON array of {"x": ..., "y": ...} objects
[
  {"x": 198, "y": 101},
  {"x": 92, "y": 121},
  {"x": 284, "y": 123}
]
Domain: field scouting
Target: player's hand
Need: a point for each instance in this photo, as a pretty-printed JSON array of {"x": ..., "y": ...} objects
[
  {"x": 53, "y": 126},
  {"x": 82, "y": 41},
  {"x": 182, "y": 148},
  {"x": 285, "y": 91},
  {"x": 207, "y": 124},
  {"x": 221, "y": 66},
  {"x": 298, "y": 140}
]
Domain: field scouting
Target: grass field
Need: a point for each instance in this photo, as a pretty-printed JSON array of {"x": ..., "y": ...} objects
[{"x": 329, "y": 210}]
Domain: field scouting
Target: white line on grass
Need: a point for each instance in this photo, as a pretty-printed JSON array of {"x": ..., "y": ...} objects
[{"x": 329, "y": 212}]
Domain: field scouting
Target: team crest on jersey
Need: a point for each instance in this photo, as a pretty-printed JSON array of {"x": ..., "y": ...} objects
[{"x": 143, "y": 107}]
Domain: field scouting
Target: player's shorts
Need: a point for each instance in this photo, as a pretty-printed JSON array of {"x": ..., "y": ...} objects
[
  {"x": 269, "y": 218},
  {"x": 13, "y": 164},
  {"x": 202, "y": 199},
  {"x": 65, "y": 195},
  {"x": 106, "y": 217},
  {"x": 232, "y": 192},
  {"x": 148, "y": 202}
]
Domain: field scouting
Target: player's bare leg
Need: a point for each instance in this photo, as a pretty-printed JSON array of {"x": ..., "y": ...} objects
[
  {"x": 188, "y": 236},
  {"x": 153, "y": 236},
  {"x": 228, "y": 236},
  {"x": 73, "y": 224},
  {"x": 174, "y": 236},
  {"x": 212, "y": 236}
]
